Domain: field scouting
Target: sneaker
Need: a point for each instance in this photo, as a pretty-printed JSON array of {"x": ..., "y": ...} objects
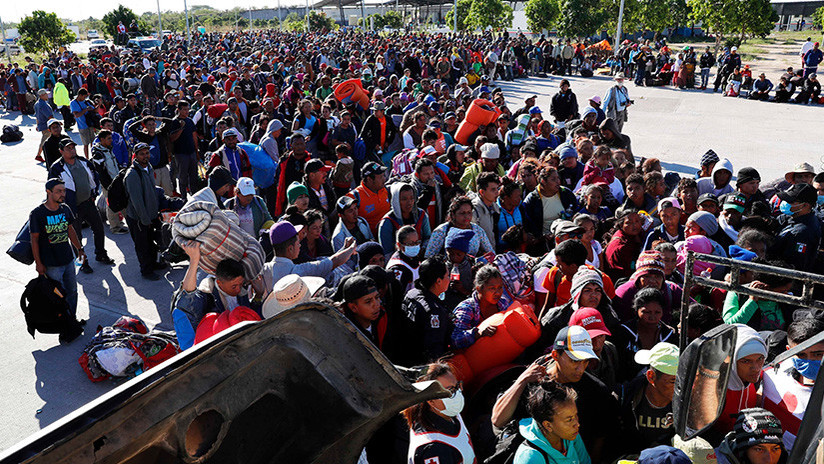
[
  {"x": 85, "y": 268},
  {"x": 150, "y": 276},
  {"x": 120, "y": 230},
  {"x": 105, "y": 259}
]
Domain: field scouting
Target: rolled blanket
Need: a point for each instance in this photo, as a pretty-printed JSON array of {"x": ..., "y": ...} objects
[
  {"x": 351, "y": 91},
  {"x": 219, "y": 237}
]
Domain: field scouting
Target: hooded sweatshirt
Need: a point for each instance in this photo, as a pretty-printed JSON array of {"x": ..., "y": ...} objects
[
  {"x": 269, "y": 143},
  {"x": 392, "y": 221},
  {"x": 619, "y": 140},
  {"x": 708, "y": 185},
  {"x": 739, "y": 395},
  {"x": 526, "y": 454}
]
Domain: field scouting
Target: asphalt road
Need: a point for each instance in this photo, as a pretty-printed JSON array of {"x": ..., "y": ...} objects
[{"x": 42, "y": 380}]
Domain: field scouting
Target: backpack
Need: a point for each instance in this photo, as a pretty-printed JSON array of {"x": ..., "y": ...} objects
[
  {"x": 507, "y": 446},
  {"x": 118, "y": 198},
  {"x": 20, "y": 250},
  {"x": 11, "y": 133},
  {"x": 46, "y": 309}
]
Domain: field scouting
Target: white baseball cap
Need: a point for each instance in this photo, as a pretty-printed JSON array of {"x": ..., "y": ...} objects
[
  {"x": 290, "y": 291},
  {"x": 246, "y": 186},
  {"x": 577, "y": 343},
  {"x": 490, "y": 151}
]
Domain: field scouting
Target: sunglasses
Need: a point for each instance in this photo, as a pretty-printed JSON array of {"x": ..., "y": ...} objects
[{"x": 455, "y": 389}]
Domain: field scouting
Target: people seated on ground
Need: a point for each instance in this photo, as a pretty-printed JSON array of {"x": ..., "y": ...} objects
[
  {"x": 761, "y": 88},
  {"x": 670, "y": 230},
  {"x": 554, "y": 286}
]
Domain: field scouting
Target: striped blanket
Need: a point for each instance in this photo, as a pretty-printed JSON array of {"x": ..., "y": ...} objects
[{"x": 220, "y": 238}]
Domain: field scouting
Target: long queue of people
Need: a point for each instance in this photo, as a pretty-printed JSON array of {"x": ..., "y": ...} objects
[{"x": 396, "y": 204}]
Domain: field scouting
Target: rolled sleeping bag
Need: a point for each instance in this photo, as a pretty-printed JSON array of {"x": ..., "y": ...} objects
[
  {"x": 518, "y": 328},
  {"x": 213, "y": 323},
  {"x": 217, "y": 110},
  {"x": 263, "y": 166},
  {"x": 219, "y": 236},
  {"x": 480, "y": 113},
  {"x": 351, "y": 91}
]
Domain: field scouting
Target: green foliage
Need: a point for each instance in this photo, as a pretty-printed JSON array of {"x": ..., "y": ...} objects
[
  {"x": 541, "y": 14},
  {"x": 392, "y": 19},
  {"x": 818, "y": 16},
  {"x": 294, "y": 23},
  {"x": 488, "y": 13},
  {"x": 579, "y": 18},
  {"x": 463, "y": 11},
  {"x": 318, "y": 21},
  {"x": 655, "y": 15},
  {"x": 112, "y": 18},
  {"x": 744, "y": 18},
  {"x": 43, "y": 32}
]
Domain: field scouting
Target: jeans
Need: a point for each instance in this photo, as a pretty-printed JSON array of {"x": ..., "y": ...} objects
[
  {"x": 67, "y": 276},
  {"x": 705, "y": 77},
  {"x": 186, "y": 172},
  {"x": 508, "y": 72},
  {"x": 87, "y": 211},
  {"x": 639, "y": 76}
]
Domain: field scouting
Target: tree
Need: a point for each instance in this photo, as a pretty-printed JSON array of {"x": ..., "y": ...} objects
[
  {"x": 755, "y": 18},
  {"x": 714, "y": 15},
  {"x": 463, "y": 10},
  {"x": 392, "y": 19},
  {"x": 488, "y": 13},
  {"x": 320, "y": 22},
  {"x": 44, "y": 32},
  {"x": 121, "y": 13},
  {"x": 655, "y": 15},
  {"x": 579, "y": 18},
  {"x": 541, "y": 14},
  {"x": 818, "y": 17}
]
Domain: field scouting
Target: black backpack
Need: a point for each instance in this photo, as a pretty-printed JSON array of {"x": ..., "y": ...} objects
[
  {"x": 118, "y": 198},
  {"x": 11, "y": 133},
  {"x": 507, "y": 446},
  {"x": 46, "y": 309}
]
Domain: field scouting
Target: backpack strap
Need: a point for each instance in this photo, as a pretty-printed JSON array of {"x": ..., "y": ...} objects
[{"x": 536, "y": 448}]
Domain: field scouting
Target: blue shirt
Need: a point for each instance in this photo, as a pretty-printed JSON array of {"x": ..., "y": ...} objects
[
  {"x": 76, "y": 107},
  {"x": 42, "y": 112},
  {"x": 507, "y": 220}
]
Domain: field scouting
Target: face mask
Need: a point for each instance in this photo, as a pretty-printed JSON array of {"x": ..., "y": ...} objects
[
  {"x": 412, "y": 250},
  {"x": 620, "y": 84},
  {"x": 820, "y": 200},
  {"x": 806, "y": 367},
  {"x": 785, "y": 208},
  {"x": 453, "y": 405}
]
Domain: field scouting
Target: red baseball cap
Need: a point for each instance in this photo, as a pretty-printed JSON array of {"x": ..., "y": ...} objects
[{"x": 591, "y": 320}]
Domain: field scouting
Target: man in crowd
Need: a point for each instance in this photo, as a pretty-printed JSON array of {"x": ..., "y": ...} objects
[{"x": 142, "y": 212}]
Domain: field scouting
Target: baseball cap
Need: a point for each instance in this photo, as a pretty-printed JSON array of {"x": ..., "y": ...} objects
[
  {"x": 231, "y": 131},
  {"x": 358, "y": 286},
  {"x": 378, "y": 106},
  {"x": 315, "y": 165},
  {"x": 54, "y": 181},
  {"x": 490, "y": 151},
  {"x": 576, "y": 342},
  {"x": 53, "y": 121},
  {"x": 699, "y": 450},
  {"x": 668, "y": 202},
  {"x": 799, "y": 193},
  {"x": 344, "y": 202},
  {"x": 662, "y": 357},
  {"x": 535, "y": 110},
  {"x": 450, "y": 114},
  {"x": 735, "y": 201},
  {"x": 663, "y": 454},
  {"x": 707, "y": 197},
  {"x": 283, "y": 231},
  {"x": 591, "y": 320},
  {"x": 42, "y": 92},
  {"x": 141, "y": 146},
  {"x": 65, "y": 142},
  {"x": 246, "y": 186},
  {"x": 564, "y": 227},
  {"x": 372, "y": 168}
]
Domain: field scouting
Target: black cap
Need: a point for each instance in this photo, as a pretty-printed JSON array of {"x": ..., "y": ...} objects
[
  {"x": 54, "y": 181},
  {"x": 372, "y": 168},
  {"x": 357, "y": 287},
  {"x": 343, "y": 203},
  {"x": 799, "y": 193},
  {"x": 219, "y": 177},
  {"x": 141, "y": 146},
  {"x": 65, "y": 142},
  {"x": 313, "y": 165},
  {"x": 747, "y": 174},
  {"x": 707, "y": 197}
]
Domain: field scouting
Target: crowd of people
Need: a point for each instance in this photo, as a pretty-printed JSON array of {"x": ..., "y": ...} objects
[{"x": 419, "y": 226}]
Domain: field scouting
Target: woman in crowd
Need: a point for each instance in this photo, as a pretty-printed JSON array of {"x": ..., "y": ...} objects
[
  {"x": 595, "y": 252},
  {"x": 428, "y": 324},
  {"x": 459, "y": 216},
  {"x": 314, "y": 245},
  {"x": 437, "y": 433},
  {"x": 650, "y": 272},
  {"x": 625, "y": 245},
  {"x": 644, "y": 330},
  {"x": 486, "y": 300}
]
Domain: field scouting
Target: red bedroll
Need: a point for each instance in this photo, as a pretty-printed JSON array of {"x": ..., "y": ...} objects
[
  {"x": 351, "y": 91},
  {"x": 480, "y": 113},
  {"x": 213, "y": 323},
  {"x": 517, "y": 329},
  {"x": 217, "y": 110}
]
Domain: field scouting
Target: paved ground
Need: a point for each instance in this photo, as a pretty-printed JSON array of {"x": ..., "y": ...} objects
[{"x": 42, "y": 380}]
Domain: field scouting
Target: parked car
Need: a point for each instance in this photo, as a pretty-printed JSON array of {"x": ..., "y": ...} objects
[
  {"x": 98, "y": 43},
  {"x": 92, "y": 34},
  {"x": 14, "y": 49},
  {"x": 143, "y": 44}
]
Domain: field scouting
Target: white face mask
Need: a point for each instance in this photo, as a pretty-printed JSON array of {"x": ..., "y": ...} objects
[
  {"x": 620, "y": 84},
  {"x": 453, "y": 405}
]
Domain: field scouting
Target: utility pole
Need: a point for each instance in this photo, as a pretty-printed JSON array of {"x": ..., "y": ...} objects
[
  {"x": 363, "y": 15},
  {"x": 280, "y": 17},
  {"x": 455, "y": 17},
  {"x": 159, "y": 23},
  {"x": 188, "y": 31},
  {"x": 308, "y": 29},
  {"x": 5, "y": 44},
  {"x": 250, "y": 19},
  {"x": 618, "y": 32}
]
